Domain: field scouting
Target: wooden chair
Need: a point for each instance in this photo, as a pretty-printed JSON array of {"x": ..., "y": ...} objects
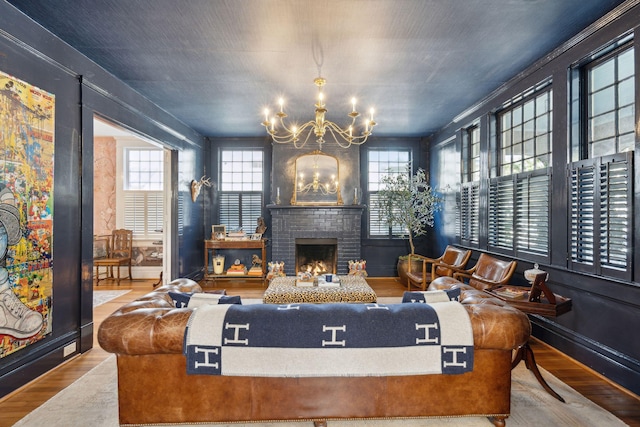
[
  {"x": 120, "y": 254},
  {"x": 452, "y": 258},
  {"x": 487, "y": 272},
  {"x": 101, "y": 251}
]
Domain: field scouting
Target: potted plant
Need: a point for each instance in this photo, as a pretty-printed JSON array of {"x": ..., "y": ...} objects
[{"x": 408, "y": 201}]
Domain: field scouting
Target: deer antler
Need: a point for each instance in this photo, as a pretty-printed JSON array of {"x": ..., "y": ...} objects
[{"x": 204, "y": 181}]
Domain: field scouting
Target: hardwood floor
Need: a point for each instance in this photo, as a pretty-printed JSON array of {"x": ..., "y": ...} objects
[{"x": 613, "y": 398}]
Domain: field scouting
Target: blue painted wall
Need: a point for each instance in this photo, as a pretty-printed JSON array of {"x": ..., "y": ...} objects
[
  {"x": 82, "y": 89},
  {"x": 600, "y": 330}
]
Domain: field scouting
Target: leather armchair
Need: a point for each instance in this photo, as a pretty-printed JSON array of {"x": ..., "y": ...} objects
[
  {"x": 452, "y": 259},
  {"x": 488, "y": 272}
]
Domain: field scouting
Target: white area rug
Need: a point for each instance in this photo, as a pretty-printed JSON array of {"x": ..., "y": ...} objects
[
  {"x": 93, "y": 401},
  {"x": 101, "y": 297}
]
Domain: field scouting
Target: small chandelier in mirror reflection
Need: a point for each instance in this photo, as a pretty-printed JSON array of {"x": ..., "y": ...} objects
[
  {"x": 330, "y": 187},
  {"x": 356, "y": 133}
]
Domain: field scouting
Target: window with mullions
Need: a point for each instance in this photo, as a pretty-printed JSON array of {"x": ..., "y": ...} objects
[
  {"x": 143, "y": 197},
  {"x": 601, "y": 174},
  {"x": 610, "y": 112},
  {"x": 471, "y": 154},
  {"x": 525, "y": 134},
  {"x": 144, "y": 169},
  {"x": 241, "y": 188},
  {"x": 469, "y": 211},
  {"x": 519, "y": 198},
  {"x": 379, "y": 164}
]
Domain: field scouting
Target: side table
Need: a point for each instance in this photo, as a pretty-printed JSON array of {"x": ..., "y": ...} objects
[
  {"x": 537, "y": 300},
  {"x": 214, "y": 245}
]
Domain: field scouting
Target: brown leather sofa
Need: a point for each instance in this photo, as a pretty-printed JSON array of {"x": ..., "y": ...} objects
[{"x": 153, "y": 387}]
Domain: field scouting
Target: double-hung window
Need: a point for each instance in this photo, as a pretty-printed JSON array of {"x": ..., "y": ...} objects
[
  {"x": 241, "y": 188},
  {"x": 143, "y": 195},
  {"x": 601, "y": 174},
  {"x": 379, "y": 164},
  {"x": 518, "y": 217},
  {"x": 470, "y": 187}
]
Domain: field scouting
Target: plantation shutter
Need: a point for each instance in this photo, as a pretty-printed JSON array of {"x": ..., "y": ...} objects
[
  {"x": 470, "y": 213},
  {"x": 500, "y": 230},
  {"x": 144, "y": 213},
  {"x": 532, "y": 213},
  {"x": 601, "y": 213},
  {"x": 519, "y": 220},
  {"x": 378, "y": 226},
  {"x": 181, "y": 203},
  {"x": 240, "y": 210}
]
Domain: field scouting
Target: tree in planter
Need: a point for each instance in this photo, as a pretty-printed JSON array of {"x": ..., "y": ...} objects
[{"x": 408, "y": 201}]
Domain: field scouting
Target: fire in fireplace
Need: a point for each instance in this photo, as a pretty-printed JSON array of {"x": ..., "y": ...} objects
[{"x": 317, "y": 256}]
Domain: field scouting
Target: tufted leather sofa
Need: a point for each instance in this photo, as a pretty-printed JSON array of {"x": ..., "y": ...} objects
[{"x": 147, "y": 335}]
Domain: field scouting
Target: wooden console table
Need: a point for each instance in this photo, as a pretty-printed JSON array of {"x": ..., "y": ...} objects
[
  {"x": 537, "y": 300},
  {"x": 214, "y": 245}
]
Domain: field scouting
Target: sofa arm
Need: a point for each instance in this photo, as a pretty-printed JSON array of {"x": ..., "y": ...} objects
[
  {"x": 496, "y": 327},
  {"x": 150, "y": 324},
  {"x": 144, "y": 331},
  {"x": 495, "y": 323}
]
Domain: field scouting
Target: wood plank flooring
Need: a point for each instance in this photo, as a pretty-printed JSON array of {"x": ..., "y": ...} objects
[{"x": 613, "y": 398}]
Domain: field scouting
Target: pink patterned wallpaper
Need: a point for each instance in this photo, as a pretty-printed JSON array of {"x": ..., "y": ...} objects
[{"x": 104, "y": 185}]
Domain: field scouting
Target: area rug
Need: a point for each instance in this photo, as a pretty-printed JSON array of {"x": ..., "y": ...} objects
[
  {"x": 92, "y": 401},
  {"x": 101, "y": 297}
]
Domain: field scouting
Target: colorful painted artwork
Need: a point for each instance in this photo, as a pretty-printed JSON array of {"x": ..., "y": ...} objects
[{"x": 27, "y": 128}]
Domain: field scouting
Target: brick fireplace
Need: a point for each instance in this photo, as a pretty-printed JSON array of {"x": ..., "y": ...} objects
[{"x": 339, "y": 223}]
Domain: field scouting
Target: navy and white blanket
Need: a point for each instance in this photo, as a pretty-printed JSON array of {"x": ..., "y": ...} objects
[{"x": 311, "y": 340}]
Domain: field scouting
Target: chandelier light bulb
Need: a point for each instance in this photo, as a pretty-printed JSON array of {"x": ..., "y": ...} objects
[
  {"x": 353, "y": 107},
  {"x": 281, "y": 102}
]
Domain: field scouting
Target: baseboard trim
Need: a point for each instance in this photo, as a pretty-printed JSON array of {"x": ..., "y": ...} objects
[{"x": 618, "y": 368}]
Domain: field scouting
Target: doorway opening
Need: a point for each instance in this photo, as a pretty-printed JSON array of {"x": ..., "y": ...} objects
[{"x": 131, "y": 181}]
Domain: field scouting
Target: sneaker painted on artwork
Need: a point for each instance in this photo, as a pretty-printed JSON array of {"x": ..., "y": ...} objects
[{"x": 16, "y": 319}]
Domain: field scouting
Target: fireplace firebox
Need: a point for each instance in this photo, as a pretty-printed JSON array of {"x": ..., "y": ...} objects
[{"x": 316, "y": 256}]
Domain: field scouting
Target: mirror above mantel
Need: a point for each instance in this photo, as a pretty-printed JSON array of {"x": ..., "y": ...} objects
[{"x": 316, "y": 180}]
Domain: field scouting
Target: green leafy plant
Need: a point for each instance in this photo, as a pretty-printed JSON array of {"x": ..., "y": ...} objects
[{"x": 408, "y": 201}]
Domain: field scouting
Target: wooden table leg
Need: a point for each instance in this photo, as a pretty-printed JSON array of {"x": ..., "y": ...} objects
[
  {"x": 526, "y": 353},
  {"x": 159, "y": 282}
]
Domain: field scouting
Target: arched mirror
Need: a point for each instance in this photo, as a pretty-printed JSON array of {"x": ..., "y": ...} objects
[{"x": 317, "y": 180}]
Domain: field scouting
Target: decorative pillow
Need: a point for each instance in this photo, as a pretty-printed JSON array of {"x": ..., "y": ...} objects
[
  {"x": 192, "y": 300},
  {"x": 429, "y": 297}
]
